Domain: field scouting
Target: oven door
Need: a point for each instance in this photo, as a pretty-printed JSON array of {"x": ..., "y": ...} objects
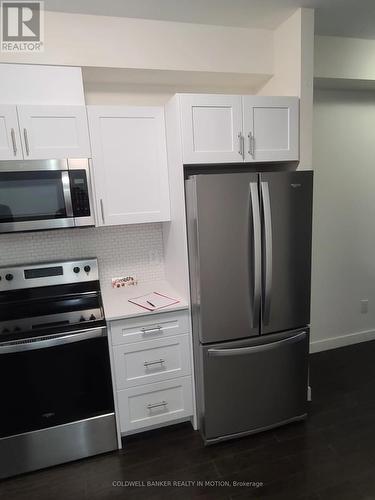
[
  {"x": 35, "y": 199},
  {"x": 54, "y": 380}
]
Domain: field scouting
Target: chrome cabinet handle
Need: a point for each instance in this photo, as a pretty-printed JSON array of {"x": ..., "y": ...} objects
[
  {"x": 156, "y": 362},
  {"x": 27, "y": 147},
  {"x": 13, "y": 136},
  {"x": 102, "y": 210},
  {"x": 251, "y": 144},
  {"x": 257, "y": 249},
  {"x": 153, "y": 329},
  {"x": 156, "y": 405},
  {"x": 268, "y": 251},
  {"x": 240, "y": 144}
]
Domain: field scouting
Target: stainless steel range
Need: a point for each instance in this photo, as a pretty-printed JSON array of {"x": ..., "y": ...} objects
[{"x": 55, "y": 378}]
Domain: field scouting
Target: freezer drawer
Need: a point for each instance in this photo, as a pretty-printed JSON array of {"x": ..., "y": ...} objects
[{"x": 253, "y": 385}]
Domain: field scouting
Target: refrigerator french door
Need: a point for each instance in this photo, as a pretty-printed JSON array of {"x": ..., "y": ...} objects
[{"x": 249, "y": 238}]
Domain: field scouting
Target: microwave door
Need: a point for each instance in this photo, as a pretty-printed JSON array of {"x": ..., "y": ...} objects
[{"x": 35, "y": 200}]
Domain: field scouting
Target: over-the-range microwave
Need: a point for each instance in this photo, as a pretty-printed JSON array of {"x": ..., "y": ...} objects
[{"x": 45, "y": 194}]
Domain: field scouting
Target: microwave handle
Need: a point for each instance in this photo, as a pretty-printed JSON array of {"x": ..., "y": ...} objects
[{"x": 65, "y": 180}]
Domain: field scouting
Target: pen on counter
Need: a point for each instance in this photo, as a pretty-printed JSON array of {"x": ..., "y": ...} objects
[{"x": 151, "y": 304}]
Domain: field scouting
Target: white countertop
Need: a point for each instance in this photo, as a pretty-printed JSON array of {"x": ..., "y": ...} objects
[{"x": 117, "y": 306}]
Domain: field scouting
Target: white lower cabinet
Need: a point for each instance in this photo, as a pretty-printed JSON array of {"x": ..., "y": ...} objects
[
  {"x": 128, "y": 331},
  {"x": 151, "y": 361},
  {"x": 151, "y": 366},
  {"x": 155, "y": 403}
]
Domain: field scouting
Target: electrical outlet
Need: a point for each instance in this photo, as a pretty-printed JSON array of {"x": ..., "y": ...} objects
[
  {"x": 364, "y": 306},
  {"x": 124, "y": 281}
]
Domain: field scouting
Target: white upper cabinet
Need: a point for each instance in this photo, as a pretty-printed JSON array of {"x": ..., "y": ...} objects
[
  {"x": 235, "y": 129},
  {"x": 129, "y": 164},
  {"x": 10, "y": 142},
  {"x": 54, "y": 132},
  {"x": 271, "y": 126},
  {"x": 211, "y": 128}
]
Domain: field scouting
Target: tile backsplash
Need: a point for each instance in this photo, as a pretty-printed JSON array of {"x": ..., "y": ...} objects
[{"x": 121, "y": 250}]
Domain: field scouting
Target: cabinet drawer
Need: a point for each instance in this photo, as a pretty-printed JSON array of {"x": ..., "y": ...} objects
[
  {"x": 149, "y": 327},
  {"x": 151, "y": 361},
  {"x": 155, "y": 403}
]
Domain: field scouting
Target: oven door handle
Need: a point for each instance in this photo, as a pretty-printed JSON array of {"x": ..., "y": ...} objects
[{"x": 53, "y": 341}]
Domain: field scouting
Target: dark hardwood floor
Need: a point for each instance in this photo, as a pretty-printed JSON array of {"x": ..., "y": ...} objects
[{"x": 330, "y": 456}]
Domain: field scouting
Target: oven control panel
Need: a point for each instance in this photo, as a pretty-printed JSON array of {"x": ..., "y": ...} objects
[{"x": 48, "y": 274}]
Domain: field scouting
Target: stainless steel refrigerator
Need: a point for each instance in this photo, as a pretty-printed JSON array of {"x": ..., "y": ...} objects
[{"x": 249, "y": 238}]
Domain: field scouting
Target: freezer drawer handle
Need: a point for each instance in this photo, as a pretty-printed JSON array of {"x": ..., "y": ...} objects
[
  {"x": 151, "y": 406},
  {"x": 154, "y": 329},
  {"x": 258, "y": 348},
  {"x": 156, "y": 362}
]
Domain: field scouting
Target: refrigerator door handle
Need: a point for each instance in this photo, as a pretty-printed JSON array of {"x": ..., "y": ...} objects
[
  {"x": 257, "y": 250},
  {"x": 268, "y": 251},
  {"x": 238, "y": 351}
]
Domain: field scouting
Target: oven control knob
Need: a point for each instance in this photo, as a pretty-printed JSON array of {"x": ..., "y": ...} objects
[
  {"x": 92, "y": 317},
  {"x": 5, "y": 330},
  {"x": 82, "y": 318},
  {"x": 87, "y": 269},
  {"x": 17, "y": 329},
  {"x": 9, "y": 277},
  {"x": 76, "y": 270}
]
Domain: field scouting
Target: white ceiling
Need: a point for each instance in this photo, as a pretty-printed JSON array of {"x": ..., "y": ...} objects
[{"x": 353, "y": 18}]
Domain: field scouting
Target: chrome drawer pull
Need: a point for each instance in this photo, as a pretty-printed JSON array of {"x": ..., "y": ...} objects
[
  {"x": 156, "y": 362},
  {"x": 153, "y": 329},
  {"x": 156, "y": 405},
  {"x": 13, "y": 136},
  {"x": 25, "y": 136}
]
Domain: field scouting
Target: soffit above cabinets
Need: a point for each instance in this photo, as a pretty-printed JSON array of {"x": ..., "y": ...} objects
[{"x": 170, "y": 81}]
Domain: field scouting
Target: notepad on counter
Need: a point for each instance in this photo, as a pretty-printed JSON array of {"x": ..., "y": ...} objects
[{"x": 154, "y": 301}]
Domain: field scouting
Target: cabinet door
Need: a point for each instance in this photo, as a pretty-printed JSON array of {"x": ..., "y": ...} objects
[
  {"x": 130, "y": 164},
  {"x": 54, "y": 132},
  {"x": 211, "y": 128},
  {"x": 10, "y": 142},
  {"x": 271, "y": 128}
]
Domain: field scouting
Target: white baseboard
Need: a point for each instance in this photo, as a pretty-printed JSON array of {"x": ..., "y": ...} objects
[{"x": 342, "y": 340}]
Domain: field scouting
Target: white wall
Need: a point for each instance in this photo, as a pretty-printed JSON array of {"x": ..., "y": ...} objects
[
  {"x": 293, "y": 72},
  {"x": 344, "y": 58},
  {"x": 344, "y": 218},
  {"x": 101, "y": 41}
]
